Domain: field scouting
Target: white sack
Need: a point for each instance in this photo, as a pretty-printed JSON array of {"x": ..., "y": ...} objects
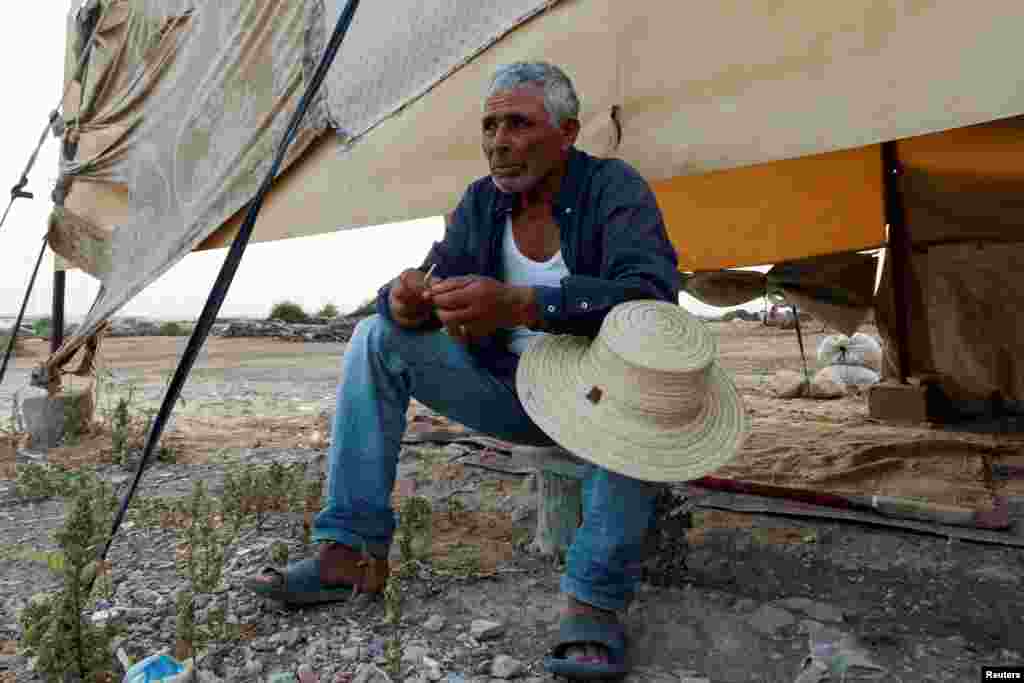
[
  {"x": 847, "y": 375},
  {"x": 859, "y": 350}
]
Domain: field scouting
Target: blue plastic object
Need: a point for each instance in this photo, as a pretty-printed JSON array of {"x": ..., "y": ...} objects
[{"x": 153, "y": 668}]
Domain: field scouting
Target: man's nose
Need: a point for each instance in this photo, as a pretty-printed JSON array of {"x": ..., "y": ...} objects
[{"x": 501, "y": 137}]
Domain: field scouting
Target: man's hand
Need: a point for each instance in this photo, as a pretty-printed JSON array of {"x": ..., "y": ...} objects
[
  {"x": 409, "y": 306},
  {"x": 475, "y": 306}
]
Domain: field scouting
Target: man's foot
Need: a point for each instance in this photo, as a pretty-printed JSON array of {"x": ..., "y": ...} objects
[
  {"x": 340, "y": 564},
  {"x": 590, "y": 653},
  {"x": 334, "y": 573}
]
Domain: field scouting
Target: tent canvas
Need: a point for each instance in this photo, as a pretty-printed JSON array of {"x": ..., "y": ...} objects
[
  {"x": 797, "y": 81},
  {"x": 763, "y": 152}
]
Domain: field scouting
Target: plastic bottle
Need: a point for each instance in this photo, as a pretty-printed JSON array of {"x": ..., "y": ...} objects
[{"x": 153, "y": 668}]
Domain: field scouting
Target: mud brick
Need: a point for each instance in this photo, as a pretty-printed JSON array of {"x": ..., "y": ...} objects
[{"x": 894, "y": 402}]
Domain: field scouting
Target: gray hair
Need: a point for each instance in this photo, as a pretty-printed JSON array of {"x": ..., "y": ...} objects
[{"x": 560, "y": 98}]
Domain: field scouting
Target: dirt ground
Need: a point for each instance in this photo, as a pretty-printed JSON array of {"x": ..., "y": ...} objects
[
  {"x": 257, "y": 401},
  {"x": 251, "y": 393}
]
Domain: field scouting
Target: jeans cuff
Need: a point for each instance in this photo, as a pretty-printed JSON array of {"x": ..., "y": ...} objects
[
  {"x": 378, "y": 550},
  {"x": 585, "y": 593}
]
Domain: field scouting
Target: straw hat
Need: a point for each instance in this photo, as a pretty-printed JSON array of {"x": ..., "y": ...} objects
[{"x": 645, "y": 399}]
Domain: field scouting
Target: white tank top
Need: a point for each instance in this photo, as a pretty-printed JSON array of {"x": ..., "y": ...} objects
[{"x": 525, "y": 272}]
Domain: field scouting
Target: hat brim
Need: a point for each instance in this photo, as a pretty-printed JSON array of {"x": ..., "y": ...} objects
[{"x": 554, "y": 395}]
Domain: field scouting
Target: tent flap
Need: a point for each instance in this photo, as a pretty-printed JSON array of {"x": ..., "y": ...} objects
[
  {"x": 776, "y": 211},
  {"x": 181, "y": 107}
]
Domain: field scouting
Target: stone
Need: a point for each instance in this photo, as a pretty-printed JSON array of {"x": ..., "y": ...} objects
[
  {"x": 818, "y": 611},
  {"x": 809, "y": 627},
  {"x": 432, "y": 668},
  {"x": 317, "y": 647},
  {"x": 893, "y": 402},
  {"x": 691, "y": 677},
  {"x": 261, "y": 645},
  {"x": 827, "y": 389},
  {"x": 46, "y": 419},
  {"x": 414, "y": 654},
  {"x": 371, "y": 673},
  {"x": 306, "y": 674},
  {"x": 317, "y": 330},
  {"x": 651, "y": 674},
  {"x": 482, "y": 629},
  {"x": 506, "y": 667},
  {"x": 768, "y": 619},
  {"x": 253, "y": 668},
  {"x": 435, "y": 624},
  {"x": 745, "y": 605},
  {"x": 288, "y": 638},
  {"x": 996, "y": 573},
  {"x": 788, "y": 384},
  {"x": 349, "y": 654}
]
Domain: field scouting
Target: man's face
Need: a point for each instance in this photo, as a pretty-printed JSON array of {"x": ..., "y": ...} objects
[{"x": 520, "y": 143}]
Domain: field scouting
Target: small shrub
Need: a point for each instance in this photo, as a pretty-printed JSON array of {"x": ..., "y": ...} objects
[
  {"x": 203, "y": 540},
  {"x": 42, "y": 327},
  {"x": 37, "y": 481},
  {"x": 289, "y": 312},
  {"x": 251, "y": 493},
  {"x": 172, "y": 329},
  {"x": 59, "y": 631},
  {"x": 328, "y": 311},
  {"x": 5, "y": 341},
  {"x": 414, "y": 531},
  {"x": 120, "y": 424}
]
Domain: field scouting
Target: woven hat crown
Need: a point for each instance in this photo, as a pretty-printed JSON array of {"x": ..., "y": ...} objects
[{"x": 652, "y": 360}]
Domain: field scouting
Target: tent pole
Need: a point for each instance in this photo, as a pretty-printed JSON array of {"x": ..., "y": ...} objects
[
  {"x": 57, "y": 310},
  {"x": 899, "y": 251}
]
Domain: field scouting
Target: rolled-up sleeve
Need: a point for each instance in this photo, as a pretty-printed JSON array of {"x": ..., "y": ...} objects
[{"x": 638, "y": 259}]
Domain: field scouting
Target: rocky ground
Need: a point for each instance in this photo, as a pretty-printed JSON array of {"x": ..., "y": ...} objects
[{"x": 729, "y": 596}]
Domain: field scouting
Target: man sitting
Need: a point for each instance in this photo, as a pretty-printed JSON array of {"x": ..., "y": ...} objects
[{"x": 549, "y": 242}]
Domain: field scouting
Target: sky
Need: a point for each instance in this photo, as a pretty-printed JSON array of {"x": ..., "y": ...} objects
[{"x": 344, "y": 268}]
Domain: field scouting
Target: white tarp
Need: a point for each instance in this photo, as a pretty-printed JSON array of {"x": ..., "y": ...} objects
[
  {"x": 396, "y": 51},
  {"x": 183, "y": 105}
]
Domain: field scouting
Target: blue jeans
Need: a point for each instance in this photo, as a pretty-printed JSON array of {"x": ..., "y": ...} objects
[{"x": 383, "y": 367}]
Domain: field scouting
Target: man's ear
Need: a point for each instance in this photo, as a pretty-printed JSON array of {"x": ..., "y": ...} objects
[{"x": 570, "y": 131}]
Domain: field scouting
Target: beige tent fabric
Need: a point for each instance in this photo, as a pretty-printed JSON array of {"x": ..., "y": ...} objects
[
  {"x": 186, "y": 131},
  {"x": 963, "y": 193},
  {"x": 182, "y": 107},
  {"x": 397, "y": 51},
  {"x": 967, "y": 319},
  {"x": 80, "y": 241},
  {"x": 787, "y": 82}
]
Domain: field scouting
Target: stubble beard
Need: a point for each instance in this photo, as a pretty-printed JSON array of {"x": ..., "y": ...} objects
[{"x": 516, "y": 184}]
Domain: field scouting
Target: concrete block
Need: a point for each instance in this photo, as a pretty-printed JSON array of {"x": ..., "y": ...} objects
[
  {"x": 894, "y": 402},
  {"x": 47, "y": 419}
]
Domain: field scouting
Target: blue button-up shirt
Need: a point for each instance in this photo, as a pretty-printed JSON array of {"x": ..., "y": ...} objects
[{"x": 614, "y": 244}]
